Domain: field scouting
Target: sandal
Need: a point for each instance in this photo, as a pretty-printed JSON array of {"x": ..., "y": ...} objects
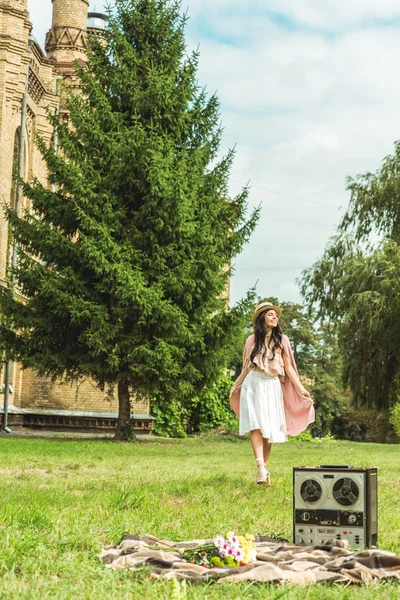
[{"x": 264, "y": 478}]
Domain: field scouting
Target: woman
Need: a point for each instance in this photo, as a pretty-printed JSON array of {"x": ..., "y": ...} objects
[{"x": 268, "y": 396}]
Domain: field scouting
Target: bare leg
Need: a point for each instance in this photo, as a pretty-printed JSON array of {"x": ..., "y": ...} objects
[
  {"x": 267, "y": 450},
  {"x": 257, "y": 443}
]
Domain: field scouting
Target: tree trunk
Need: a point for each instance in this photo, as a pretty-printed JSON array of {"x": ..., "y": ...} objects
[{"x": 124, "y": 429}]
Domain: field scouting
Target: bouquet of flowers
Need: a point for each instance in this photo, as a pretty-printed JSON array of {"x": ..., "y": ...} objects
[{"x": 231, "y": 550}]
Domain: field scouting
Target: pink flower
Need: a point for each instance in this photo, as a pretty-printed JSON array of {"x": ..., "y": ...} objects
[
  {"x": 219, "y": 541},
  {"x": 239, "y": 555},
  {"x": 233, "y": 539}
]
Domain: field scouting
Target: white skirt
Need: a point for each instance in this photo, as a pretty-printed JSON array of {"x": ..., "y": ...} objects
[{"x": 261, "y": 406}]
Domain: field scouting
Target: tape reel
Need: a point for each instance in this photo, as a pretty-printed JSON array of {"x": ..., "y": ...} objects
[{"x": 346, "y": 492}]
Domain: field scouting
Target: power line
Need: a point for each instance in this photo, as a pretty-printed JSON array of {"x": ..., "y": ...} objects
[
  {"x": 268, "y": 268},
  {"x": 288, "y": 195}
]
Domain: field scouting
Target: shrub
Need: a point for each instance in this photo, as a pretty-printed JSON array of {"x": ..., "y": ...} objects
[
  {"x": 395, "y": 418},
  {"x": 364, "y": 426},
  {"x": 212, "y": 409},
  {"x": 170, "y": 417},
  {"x": 209, "y": 410}
]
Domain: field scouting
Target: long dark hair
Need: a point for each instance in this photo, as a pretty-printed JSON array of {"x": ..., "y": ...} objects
[{"x": 260, "y": 331}]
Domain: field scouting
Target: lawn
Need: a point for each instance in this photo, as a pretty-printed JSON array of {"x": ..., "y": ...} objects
[{"x": 63, "y": 500}]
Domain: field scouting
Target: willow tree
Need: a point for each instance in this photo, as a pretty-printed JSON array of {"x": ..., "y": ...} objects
[
  {"x": 123, "y": 268},
  {"x": 356, "y": 284}
]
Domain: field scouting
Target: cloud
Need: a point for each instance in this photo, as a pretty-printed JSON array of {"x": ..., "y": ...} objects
[
  {"x": 325, "y": 15},
  {"x": 332, "y": 15},
  {"x": 322, "y": 140}
]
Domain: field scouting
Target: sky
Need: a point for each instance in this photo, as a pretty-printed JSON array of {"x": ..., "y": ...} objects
[{"x": 310, "y": 94}]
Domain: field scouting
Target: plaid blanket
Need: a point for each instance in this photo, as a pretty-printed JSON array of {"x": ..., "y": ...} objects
[{"x": 277, "y": 561}]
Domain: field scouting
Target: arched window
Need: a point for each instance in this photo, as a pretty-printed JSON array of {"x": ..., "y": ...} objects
[
  {"x": 14, "y": 185},
  {"x": 17, "y": 144}
]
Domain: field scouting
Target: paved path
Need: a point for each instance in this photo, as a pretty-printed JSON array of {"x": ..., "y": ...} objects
[{"x": 26, "y": 432}]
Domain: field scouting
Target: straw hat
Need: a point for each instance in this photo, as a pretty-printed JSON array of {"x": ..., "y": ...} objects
[{"x": 264, "y": 307}]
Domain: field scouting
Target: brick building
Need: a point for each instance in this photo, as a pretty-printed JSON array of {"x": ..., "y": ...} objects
[{"x": 33, "y": 400}]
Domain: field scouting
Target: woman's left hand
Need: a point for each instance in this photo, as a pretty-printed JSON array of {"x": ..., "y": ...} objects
[{"x": 306, "y": 395}]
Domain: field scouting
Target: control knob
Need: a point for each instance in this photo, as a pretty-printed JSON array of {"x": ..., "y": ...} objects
[
  {"x": 305, "y": 516},
  {"x": 352, "y": 519}
]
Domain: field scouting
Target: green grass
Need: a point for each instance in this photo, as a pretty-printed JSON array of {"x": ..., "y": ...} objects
[{"x": 61, "y": 501}]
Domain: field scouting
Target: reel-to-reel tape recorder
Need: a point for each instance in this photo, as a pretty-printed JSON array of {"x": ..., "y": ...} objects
[{"x": 335, "y": 502}]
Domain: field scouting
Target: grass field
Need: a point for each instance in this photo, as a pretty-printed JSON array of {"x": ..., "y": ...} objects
[{"x": 61, "y": 501}]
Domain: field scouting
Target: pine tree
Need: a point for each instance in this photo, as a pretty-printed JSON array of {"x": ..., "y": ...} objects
[{"x": 124, "y": 269}]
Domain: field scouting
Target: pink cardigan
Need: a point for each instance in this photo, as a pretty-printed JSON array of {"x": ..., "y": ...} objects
[{"x": 299, "y": 411}]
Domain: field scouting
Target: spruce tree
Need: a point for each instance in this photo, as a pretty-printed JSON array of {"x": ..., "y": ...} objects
[{"x": 123, "y": 271}]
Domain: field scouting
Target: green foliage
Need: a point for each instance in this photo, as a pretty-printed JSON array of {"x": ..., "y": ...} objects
[
  {"x": 123, "y": 269},
  {"x": 356, "y": 285},
  {"x": 374, "y": 201},
  {"x": 235, "y": 365},
  {"x": 310, "y": 436},
  {"x": 395, "y": 418},
  {"x": 304, "y": 436},
  {"x": 364, "y": 297},
  {"x": 327, "y": 396},
  {"x": 208, "y": 410},
  {"x": 202, "y": 555},
  {"x": 364, "y": 426},
  {"x": 211, "y": 408},
  {"x": 171, "y": 417},
  {"x": 300, "y": 329}
]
